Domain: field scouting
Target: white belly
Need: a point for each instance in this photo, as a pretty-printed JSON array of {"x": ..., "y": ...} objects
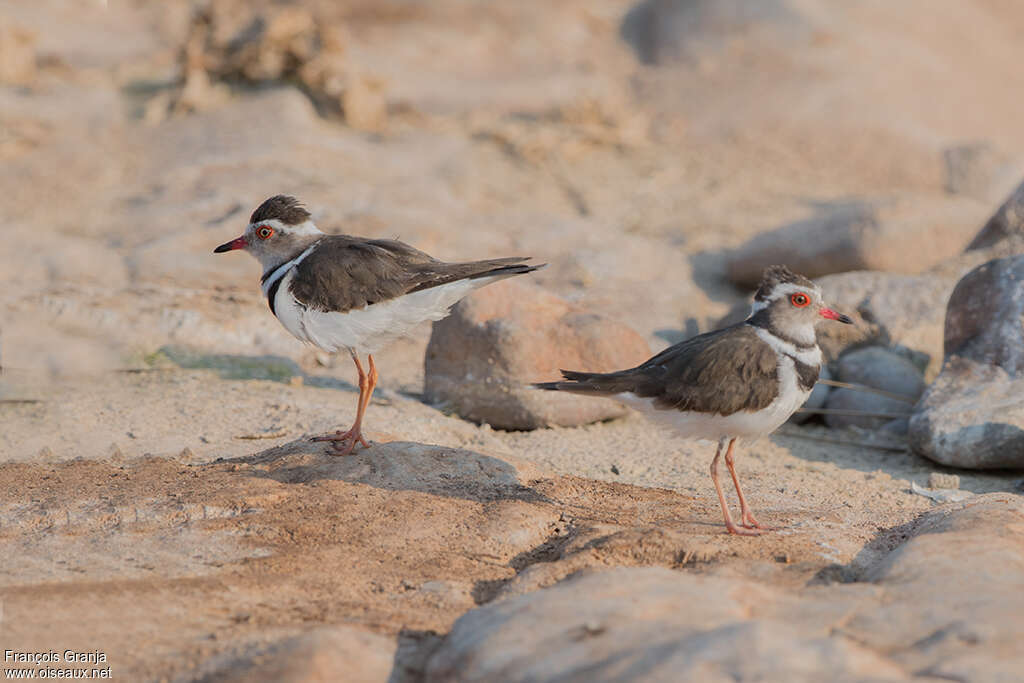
[
  {"x": 367, "y": 329},
  {"x": 743, "y": 424}
]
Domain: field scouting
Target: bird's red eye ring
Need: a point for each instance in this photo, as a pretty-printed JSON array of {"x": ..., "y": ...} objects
[
  {"x": 265, "y": 232},
  {"x": 799, "y": 300}
]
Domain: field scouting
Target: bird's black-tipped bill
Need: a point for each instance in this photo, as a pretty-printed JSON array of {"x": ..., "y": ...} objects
[
  {"x": 832, "y": 315},
  {"x": 237, "y": 243}
]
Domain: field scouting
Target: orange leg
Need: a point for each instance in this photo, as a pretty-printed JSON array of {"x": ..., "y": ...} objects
[
  {"x": 345, "y": 442},
  {"x": 747, "y": 518},
  {"x": 730, "y": 527}
]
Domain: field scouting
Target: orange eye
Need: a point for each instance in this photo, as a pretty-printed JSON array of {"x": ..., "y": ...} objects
[
  {"x": 799, "y": 300},
  {"x": 265, "y": 232}
]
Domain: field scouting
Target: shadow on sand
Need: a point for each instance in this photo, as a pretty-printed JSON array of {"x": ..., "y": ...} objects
[{"x": 397, "y": 466}]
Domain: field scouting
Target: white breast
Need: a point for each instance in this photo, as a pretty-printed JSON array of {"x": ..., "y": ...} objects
[
  {"x": 372, "y": 327},
  {"x": 744, "y": 424}
]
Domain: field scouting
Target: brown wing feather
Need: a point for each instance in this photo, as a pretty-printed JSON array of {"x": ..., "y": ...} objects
[
  {"x": 719, "y": 372},
  {"x": 344, "y": 273}
]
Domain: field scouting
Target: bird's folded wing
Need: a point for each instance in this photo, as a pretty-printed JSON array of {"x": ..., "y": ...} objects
[
  {"x": 345, "y": 273},
  {"x": 720, "y": 372}
]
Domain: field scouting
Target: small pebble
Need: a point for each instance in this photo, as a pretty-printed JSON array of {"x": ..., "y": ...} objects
[{"x": 940, "y": 480}]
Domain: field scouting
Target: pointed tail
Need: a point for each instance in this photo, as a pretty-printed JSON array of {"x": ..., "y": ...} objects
[{"x": 587, "y": 383}]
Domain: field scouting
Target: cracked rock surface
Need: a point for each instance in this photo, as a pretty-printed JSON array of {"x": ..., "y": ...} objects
[{"x": 159, "y": 498}]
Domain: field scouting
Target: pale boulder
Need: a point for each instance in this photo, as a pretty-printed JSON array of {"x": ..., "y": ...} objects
[
  {"x": 904, "y": 235},
  {"x": 482, "y": 359}
]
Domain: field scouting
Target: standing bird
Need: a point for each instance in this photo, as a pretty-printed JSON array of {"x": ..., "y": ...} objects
[
  {"x": 740, "y": 382},
  {"x": 337, "y": 291}
]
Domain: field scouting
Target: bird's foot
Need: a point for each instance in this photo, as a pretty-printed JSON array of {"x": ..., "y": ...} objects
[
  {"x": 743, "y": 530},
  {"x": 344, "y": 443},
  {"x": 750, "y": 522}
]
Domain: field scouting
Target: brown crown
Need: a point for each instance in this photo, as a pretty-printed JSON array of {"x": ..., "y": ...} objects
[
  {"x": 776, "y": 275},
  {"x": 286, "y": 209}
]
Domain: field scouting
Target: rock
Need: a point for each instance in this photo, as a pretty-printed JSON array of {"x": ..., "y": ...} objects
[
  {"x": 662, "y": 625},
  {"x": 908, "y": 235},
  {"x": 328, "y": 653},
  {"x": 364, "y": 105},
  {"x": 983, "y": 319},
  {"x": 1001, "y": 236},
  {"x": 854, "y": 400},
  {"x": 232, "y": 41},
  {"x": 979, "y": 549},
  {"x": 879, "y": 368},
  {"x": 664, "y": 31},
  {"x": 198, "y": 93},
  {"x": 940, "y": 495},
  {"x": 973, "y": 414},
  {"x": 824, "y": 244},
  {"x": 482, "y": 358},
  {"x": 17, "y": 56},
  {"x": 941, "y": 480},
  {"x": 1006, "y": 223},
  {"x": 974, "y": 169},
  {"x": 904, "y": 312}
]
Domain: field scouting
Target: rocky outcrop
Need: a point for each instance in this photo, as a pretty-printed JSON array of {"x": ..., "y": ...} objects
[
  {"x": 658, "y": 624},
  {"x": 482, "y": 358},
  {"x": 973, "y": 414},
  {"x": 230, "y": 41},
  {"x": 879, "y": 368},
  {"x": 908, "y": 235},
  {"x": 890, "y": 309},
  {"x": 1000, "y": 237},
  {"x": 1006, "y": 223}
]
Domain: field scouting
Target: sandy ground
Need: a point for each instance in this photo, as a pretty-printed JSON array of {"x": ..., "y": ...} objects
[{"x": 160, "y": 500}]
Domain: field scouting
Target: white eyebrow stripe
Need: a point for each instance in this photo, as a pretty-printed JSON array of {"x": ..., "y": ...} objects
[
  {"x": 307, "y": 227},
  {"x": 792, "y": 288}
]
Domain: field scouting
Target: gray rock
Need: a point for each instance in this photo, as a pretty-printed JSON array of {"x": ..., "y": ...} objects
[
  {"x": 962, "y": 634},
  {"x": 882, "y": 368},
  {"x": 482, "y": 358},
  {"x": 1002, "y": 236},
  {"x": 906, "y": 235},
  {"x": 976, "y": 169},
  {"x": 879, "y": 368},
  {"x": 983, "y": 319},
  {"x": 637, "y": 623},
  {"x": 884, "y": 407},
  {"x": 664, "y": 31},
  {"x": 823, "y": 244},
  {"x": 1006, "y": 223},
  {"x": 942, "y": 480},
  {"x": 654, "y": 624},
  {"x": 973, "y": 414},
  {"x": 902, "y": 312}
]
